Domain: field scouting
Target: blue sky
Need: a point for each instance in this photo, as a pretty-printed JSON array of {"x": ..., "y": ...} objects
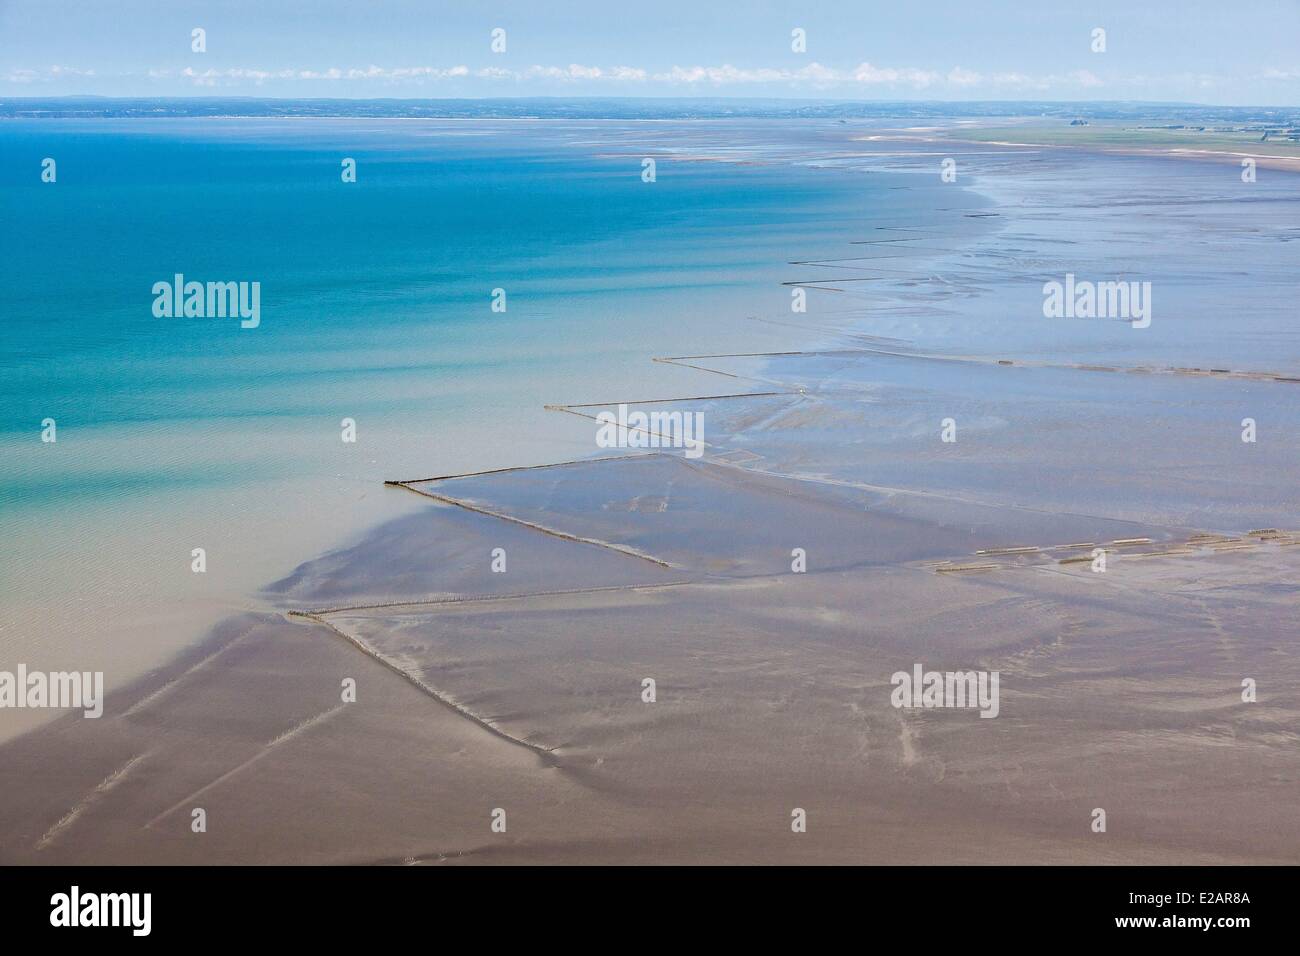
[{"x": 1244, "y": 53}]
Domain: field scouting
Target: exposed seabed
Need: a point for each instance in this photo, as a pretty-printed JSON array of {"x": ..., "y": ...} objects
[{"x": 523, "y": 689}]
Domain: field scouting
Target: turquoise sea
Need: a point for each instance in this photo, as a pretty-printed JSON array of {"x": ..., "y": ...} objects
[{"x": 181, "y": 433}]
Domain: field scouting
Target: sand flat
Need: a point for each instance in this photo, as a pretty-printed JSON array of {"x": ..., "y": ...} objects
[
  {"x": 521, "y": 690},
  {"x": 773, "y": 693}
]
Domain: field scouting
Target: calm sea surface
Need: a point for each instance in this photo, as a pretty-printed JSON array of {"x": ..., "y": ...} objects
[{"x": 375, "y": 305}]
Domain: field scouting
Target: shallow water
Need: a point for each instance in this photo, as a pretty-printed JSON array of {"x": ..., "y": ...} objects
[
  {"x": 181, "y": 433},
  {"x": 1119, "y": 688}
]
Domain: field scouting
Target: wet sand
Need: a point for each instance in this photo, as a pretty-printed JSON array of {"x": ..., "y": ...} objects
[
  {"x": 522, "y": 690},
  {"x": 1118, "y": 690}
]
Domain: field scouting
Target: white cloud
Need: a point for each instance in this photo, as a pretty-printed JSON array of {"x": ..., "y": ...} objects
[
  {"x": 576, "y": 71},
  {"x": 892, "y": 76},
  {"x": 44, "y": 76},
  {"x": 721, "y": 75},
  {"x": 959, "y": 77},
  {"x": 814, "y": 77}
]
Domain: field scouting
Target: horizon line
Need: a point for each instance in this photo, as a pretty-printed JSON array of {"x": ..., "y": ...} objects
[{"x": 838, "y": 101}]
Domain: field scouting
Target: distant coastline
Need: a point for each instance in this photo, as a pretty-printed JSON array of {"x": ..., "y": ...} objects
[
  {"x": 1268, "y": 134},
  {"x": 544, "y": 107}
]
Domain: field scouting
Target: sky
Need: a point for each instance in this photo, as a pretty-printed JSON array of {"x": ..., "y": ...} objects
[{"x": 1245, "y": 53}]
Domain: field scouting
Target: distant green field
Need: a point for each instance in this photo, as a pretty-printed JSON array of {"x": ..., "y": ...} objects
[{"x": 1114, "y": 135}]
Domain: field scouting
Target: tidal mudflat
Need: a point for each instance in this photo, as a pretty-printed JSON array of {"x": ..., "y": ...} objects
[{"x": 644, "y": 658}]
